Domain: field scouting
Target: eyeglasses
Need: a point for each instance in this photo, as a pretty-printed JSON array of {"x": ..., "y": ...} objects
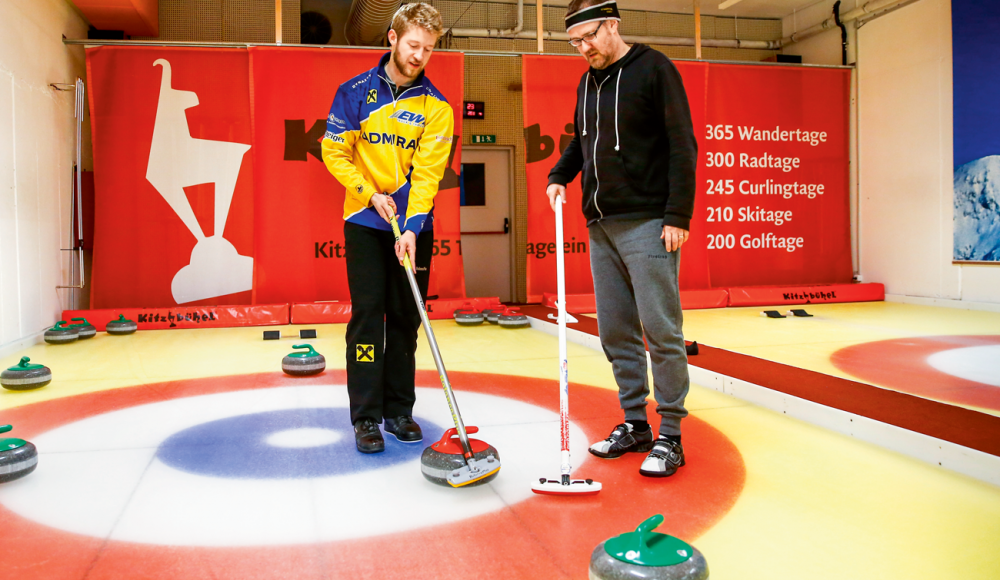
[{"x": 588, "y": 38}]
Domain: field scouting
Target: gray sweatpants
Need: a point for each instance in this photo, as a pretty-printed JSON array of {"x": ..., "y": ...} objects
[{"x": 635, "y": 283}]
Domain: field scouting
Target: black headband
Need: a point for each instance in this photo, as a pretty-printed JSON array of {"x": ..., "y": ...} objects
[{"x": 603, "y": 11}]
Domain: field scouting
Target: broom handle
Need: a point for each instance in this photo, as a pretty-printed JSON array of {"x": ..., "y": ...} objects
[
  {"x": 442, "y": 373},
  {"x": 563, "y": 362}
]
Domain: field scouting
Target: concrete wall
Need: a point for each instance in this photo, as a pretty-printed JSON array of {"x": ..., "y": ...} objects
[{"x": 37, "y": 133}]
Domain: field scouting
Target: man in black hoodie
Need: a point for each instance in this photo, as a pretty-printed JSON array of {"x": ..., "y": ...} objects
[{"x": 635, "y": 145}]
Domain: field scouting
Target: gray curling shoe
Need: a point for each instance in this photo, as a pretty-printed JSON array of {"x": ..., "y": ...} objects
[
  {"x": 121, "y": 326},
  {"x": 664, "y": 459},
  {"x": 24, "y": 376},
  {"x": 61, "y": 334},
  {"x": 623, "y": 439},
  {"x": 648, "y": 555},
  {"x": 301, "y": 364}
]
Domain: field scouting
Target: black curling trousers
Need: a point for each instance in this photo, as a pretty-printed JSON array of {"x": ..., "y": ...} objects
[{"x": 382, "y": 333}]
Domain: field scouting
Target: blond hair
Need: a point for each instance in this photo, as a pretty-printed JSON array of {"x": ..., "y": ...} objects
[{"x": 417, "y": 14}]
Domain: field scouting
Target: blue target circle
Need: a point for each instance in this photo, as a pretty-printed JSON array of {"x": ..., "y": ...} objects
[{"x": 249, "y": 446}]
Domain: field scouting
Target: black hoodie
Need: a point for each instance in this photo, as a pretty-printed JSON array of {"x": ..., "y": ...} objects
[{"x": 634, "y": 141}]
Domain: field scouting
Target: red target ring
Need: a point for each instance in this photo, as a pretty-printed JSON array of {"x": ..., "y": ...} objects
[
  {"x": 537, "y": 537},
  {"x": 901, "y": 364}
]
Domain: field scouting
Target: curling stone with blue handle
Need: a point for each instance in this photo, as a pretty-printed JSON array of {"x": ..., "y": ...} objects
[
  {"x": 85, "y": 329},
  {"x": 61, "y": 333},
  {"x": 648, "y": 555},
  {"x": 301, "y": 364},
  {"x": 25, "y": 376},
  {"x": 17, "y": 457},
  {"x": 121, "y": 326}
]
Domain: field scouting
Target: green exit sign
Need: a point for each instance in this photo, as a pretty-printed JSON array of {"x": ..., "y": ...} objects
[{"x": 476, "y": 139}]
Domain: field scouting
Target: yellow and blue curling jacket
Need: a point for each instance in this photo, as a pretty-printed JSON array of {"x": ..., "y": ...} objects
[{"x": 375, "y": 143}]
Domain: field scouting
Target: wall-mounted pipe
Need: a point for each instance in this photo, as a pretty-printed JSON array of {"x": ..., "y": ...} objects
[
  {"x": 369, "y": 20},
  {"x": 863, "y": 10}
]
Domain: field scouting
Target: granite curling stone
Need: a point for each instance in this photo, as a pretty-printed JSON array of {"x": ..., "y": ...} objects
[
  {"x": 648, "y": 555},
  {"x": 121, "y": 326},
  {"x": 25, "y": 376},
  {"x": 302, "y": 364},
  {"x": 61, "y": 334},
  {"x": 85, "y": 329},
  {"x": 17, "y": 457},
  {"x": 492, "y": 315},
  {"x": 445, "y": 456},
  {"x": 469, "y": 317},
  {"x": 511, "y": 318}
]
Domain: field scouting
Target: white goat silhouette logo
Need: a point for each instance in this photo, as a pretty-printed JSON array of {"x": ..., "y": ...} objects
[{"x": 176, "y": 161}]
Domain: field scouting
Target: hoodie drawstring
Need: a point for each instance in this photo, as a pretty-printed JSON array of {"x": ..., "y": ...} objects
[
  {"x": 617, "y": 82},
  {"x": 586, "y": 85}
]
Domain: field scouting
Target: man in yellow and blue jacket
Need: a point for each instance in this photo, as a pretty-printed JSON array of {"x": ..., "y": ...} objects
[{"x": 388, "y": 139}]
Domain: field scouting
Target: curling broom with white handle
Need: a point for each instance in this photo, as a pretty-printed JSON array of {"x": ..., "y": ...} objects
[{"x": 565, "y": 485}]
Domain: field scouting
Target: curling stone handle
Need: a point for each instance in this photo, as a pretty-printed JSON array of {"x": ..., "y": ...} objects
[
  {"x": 645, "y": 530},
  {"x": 6, "y": 428},
  {"x": 311, "y": 352},
  {"x": 453, "y": 432},
  {"x": 24, "y": 363}
]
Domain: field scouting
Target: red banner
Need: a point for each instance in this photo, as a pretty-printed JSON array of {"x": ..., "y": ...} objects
[
  {"x": 299, "y": 226},
  {"x": 173, "y": 201},
  {"x": 210, "y": 188},
  {"x": 772, "y": 199}
]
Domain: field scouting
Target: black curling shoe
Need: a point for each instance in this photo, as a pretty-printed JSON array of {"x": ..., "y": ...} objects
[
  {"x": 367, "y": 436},
  {"x": 404, "y": 429}
]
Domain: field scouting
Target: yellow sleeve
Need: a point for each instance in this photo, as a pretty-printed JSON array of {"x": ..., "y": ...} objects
[
  {"x": 338, "y": 155},
  {"x": 429, "y": 162}
]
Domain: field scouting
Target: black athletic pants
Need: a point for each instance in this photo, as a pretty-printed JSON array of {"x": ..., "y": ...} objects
[{"x": 382, "y": 333}]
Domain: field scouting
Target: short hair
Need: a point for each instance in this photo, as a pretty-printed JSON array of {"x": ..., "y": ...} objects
[
  {"x": 417, "y": 14},
  {"x": 578, "y": 5}
]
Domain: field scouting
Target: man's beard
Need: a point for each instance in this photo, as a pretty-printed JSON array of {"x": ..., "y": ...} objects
[{"x": 402, "y": 67}]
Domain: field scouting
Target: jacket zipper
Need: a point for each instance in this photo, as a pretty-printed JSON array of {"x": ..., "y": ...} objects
[
  {"x": 394, "y": 158},
  {"x": 597, "y": 137}
]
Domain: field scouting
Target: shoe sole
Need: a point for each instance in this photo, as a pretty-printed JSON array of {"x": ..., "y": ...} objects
[
  {"x": 370, "y": 451},
  {"x": 404, "y": 440},
  {"x": 638, "y": 449}
]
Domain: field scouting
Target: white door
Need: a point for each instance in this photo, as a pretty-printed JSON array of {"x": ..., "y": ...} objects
[{"x": 487, "y": 180}]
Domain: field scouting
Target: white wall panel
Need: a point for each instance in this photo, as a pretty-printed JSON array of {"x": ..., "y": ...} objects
[
  {"x": 36, "y": 153},
  {"x": 906, "y": 161}
]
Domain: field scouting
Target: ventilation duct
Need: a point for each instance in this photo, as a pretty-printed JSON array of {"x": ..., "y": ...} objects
[{"x": 369, "y": 20}]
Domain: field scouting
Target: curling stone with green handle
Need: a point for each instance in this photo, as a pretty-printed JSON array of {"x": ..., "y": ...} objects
[
  {"x": 61, "y": 333},
  {"x": 17, "y": 457},
  {"x": 511, "y": 318},
  {"x": 121, "y": 326},
  {"x": 85, "y": 329},
  {"x": 648, "y": 555},
  {"x": 25, "y": 376},
  {"x": 301, "y": 364}
]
